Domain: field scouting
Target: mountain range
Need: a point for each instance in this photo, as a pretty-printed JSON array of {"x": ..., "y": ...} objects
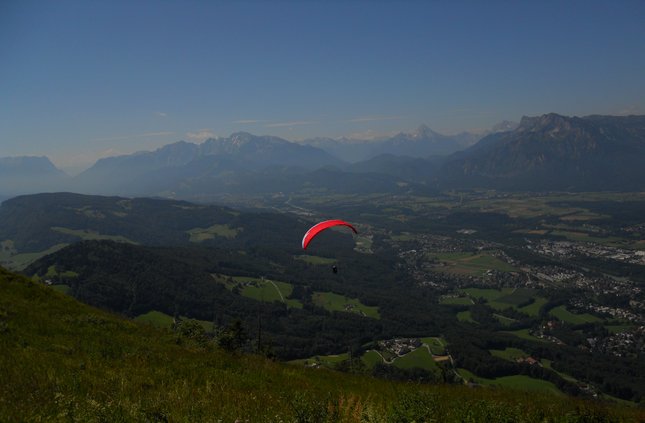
[
  {"x": 549, "y": 152},
  {"x": 554, "y": 152}
]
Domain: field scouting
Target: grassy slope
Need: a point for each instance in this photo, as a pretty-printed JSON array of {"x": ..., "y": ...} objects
[{"x": 64, "y": 361}]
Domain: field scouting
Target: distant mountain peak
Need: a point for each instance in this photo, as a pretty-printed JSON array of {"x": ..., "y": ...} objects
[
  {"x": 547, "y": 121},
  {"x": 504, "y": 126},
  {"x": 424, "y": 131}
]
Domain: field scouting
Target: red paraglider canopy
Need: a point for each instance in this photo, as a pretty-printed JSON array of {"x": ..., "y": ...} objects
[{"x": 319, "y": 227}]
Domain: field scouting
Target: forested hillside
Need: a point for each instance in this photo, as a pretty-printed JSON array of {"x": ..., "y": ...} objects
[{"x": 64, "y": 361}]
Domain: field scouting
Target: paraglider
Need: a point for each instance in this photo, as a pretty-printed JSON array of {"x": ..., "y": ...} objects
[{"x": 319, "y": 227}]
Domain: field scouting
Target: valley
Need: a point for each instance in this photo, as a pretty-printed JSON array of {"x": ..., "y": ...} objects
[{"x": 483, "y": 284}]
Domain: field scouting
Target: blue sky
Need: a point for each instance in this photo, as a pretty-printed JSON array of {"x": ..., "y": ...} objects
[{"x": 84, "y": 79}]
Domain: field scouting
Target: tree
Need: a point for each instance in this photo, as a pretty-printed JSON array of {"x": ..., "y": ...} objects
[{"x": 233, "y": 338}]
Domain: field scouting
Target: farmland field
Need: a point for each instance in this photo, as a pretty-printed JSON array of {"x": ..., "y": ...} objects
[
  {"x": 520, "y": 382},
  {"x": 371, "y": 358},
  {"x": 471, "y": 264},
  {"x": 22, "y": 260},
  {"x": 465, "y": 316},
  {"x": 565, "y": 315},
  {"x": 510, "y": 354},
  {"x": 436, "y": 345},
  {"x": 420, "y": 358},
  {"x": 86, "y": 234},
  {"x": 524, "y": 334},
  {"x": 534, "y": 308},
  {"x": 260, "y": 289},
  {"x": 203, "y": 234},
  {"x": 336, "y": 302}
]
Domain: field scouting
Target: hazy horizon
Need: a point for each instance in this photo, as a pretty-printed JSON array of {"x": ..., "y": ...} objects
[{"x": 85, "y": 80}]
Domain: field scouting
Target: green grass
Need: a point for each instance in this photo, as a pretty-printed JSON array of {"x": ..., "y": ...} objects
[
  {"x": 436, "y": 345},
  {"x": 548, "y": 365},
  {"x": 526, "y": 383},
  {"x": 87, "y": 365},
  {"x": 156, "y": 318},
  {"x": 420, "y": 358},
  {"x": 329, "y": 361},
  {"x": 524, "y": 334},
  {"x": 488, "y": 294},
  {"x": 22, "y": 260},
  {"x": 510, "y": 354},
  {"x": 517, "y": 296},
  {"x": 471, "y": 264},
  {"x": 371, "y": 358},
  {"x": 62, "y": 288},
  {"x": 162, "y": 320},
  {"x": 260, "y": 289},
  {"x": 88, "y": 234},
  {"x": 202, "y": 234},
  {"x": 565, "y": 315},
  {"x": 506, "y": 321},
  {"x": 465, "y": 316},
  {"x": 519, "y": 382},
  {"x": 336, "y": 302},
  {"x": 533, "y": 309},
  {"x": 501, "y": 299},
  {"x": 317, "y": 260},
  {"x": 269, "y": 291}
]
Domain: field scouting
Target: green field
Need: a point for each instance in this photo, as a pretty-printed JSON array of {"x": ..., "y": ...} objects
[
  {"x": 489, "y": 294},
  {"x": 324, "y": 360},
  {"x": 62, "y": 288},
  {"x": 336, "y": 302},
  {"x": 510, "y": 354},
  {"x": 547, "y": 365},
  {"x": 519, "y": 382},
  {"x": 52, "y": 272},
  {"x": 317, "y": 260},
  {"x": 565, "y": 315},
  {"x": 89, "y": 235},
  {"x": 465, "y": 316},
  {"x": 156, "y": 318},
  {"x": 436, "y": 345},
  {"x": 371, "y": 358},
  {"x": 504, "y": 298},
  {"x": 420, "y": 358},
  {"x": 533, "y": 309},
  {"x": 260, "y": 289},
  {"x": 524, "y": 334},
  {"x": 162, "y": 320},
  {"x": 471, "y": 264},
  {"x": 22, "y": 260},
  {"x": 203, "y": 234},
  {"x": 506, "y": 321}
]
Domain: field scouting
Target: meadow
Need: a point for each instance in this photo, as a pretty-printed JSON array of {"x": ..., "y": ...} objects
[
  {"x": 565, "y": 315},
  {"x": 471, "y": 264},
  {"x": 335, "y": 302}
]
